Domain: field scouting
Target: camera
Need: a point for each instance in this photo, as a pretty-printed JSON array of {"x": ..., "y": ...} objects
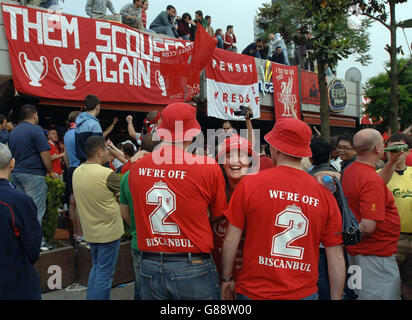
[{"x": 242, "y": 112}]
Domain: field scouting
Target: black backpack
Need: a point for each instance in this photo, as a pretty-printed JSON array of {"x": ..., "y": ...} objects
[{"x": 351, "y": 234}]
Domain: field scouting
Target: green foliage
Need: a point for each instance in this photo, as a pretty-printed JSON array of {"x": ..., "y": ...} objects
[
  {"x": 55, "y": 194},
  {"x": 378, "y": 90},
  {"x": 332, "y": 38}
]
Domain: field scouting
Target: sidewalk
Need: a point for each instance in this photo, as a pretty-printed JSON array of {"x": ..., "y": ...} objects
[{"x": 122, "y": 292}]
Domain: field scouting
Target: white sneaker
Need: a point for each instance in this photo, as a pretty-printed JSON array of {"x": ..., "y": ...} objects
[{"x": 44, "y": 249}]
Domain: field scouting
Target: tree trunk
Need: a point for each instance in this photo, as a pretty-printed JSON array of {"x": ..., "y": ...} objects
[
  {"x": 394, "y": 73},
  {"x": 324, "y": 103}
]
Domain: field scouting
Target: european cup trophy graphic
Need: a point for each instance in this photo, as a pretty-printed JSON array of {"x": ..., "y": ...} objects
[
  {"x": 160, "y": 81},
  {"x": 33, "y": 69},
  {"x": 68, "y": 73}
]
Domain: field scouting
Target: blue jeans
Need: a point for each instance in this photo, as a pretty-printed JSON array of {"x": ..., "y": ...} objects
[
  {"x": 164, "y": 30},
  {"x": 185, "y": 280},
  {"x": 323, "y": 281},
  {"x": 104, "y": 259},
  {"x": 50, "y": 3},
  {"x": 34, "y": 186},
  {"x": 314, "y": 296},
  {"x": 137, "y": 259}
]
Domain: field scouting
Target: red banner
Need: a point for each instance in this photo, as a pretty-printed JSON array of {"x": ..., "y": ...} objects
[
  {"x": 231, "y": 82},
  {"x": 310, "y": 87},
  {"x": 181, "y": 68},
  {"x": 286, "y": 90},
  {"x": 68, "y": 57}
]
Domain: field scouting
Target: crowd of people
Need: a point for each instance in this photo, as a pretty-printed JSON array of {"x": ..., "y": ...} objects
[
  {"x": 221, "y": 221},
  {"x": 184, "y": 27}
]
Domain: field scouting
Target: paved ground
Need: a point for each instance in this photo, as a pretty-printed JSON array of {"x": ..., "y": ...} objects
[{"x": 121, "y": 292}]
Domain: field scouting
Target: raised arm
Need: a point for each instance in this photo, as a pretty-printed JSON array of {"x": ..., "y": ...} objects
[{"x": 111, "y": 127}]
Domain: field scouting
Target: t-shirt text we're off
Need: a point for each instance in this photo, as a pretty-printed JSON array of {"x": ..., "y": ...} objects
[
  {"x": 231, "y": 82},
  {"x": 55, "y": 55}
]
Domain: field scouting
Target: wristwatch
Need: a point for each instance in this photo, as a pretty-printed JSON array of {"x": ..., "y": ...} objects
[{"x": 227, "y": 279}]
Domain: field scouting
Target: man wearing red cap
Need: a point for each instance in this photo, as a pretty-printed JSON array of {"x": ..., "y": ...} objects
[
  {"x": 174, "y": 194},
  {"x": 286, "y": 214}
]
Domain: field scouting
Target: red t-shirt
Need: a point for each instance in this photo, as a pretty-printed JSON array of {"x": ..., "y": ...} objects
[
  {"x": 369, "y": 198},
  {"x": 56, "y": 163},
  {"x": 144, "y": 18},
  {"x": 219, "y": 233},
  {"x": 409, "y": 160},
  {"x": 126, "y": 167},
  {"x": 286, "y": 214},
  {"x": 171, "y": 201},
  {"x": 265, "y": 163}
]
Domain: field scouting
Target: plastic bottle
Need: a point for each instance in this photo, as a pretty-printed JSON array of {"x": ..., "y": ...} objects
[
  {"x": 328, "y": 183},
  {"x": 397, "y": 148}
]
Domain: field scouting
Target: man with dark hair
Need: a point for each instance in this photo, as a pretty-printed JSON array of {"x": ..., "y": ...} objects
[
  {"x": 334, "y": 154},
  {"x": 30, "y": 149},
  {"x": 254, "y": 48},
  {"x": 278, "y": 56},
  {"x": 88, "y": 125},
  {"x": 373, "y": 206},
  {"x": 128, "y": 152},
  {"x": 347, "y": 152},
  {"x": 229, "y": 41},
  {"x": 400, "y": 186},
  {"x": 165, "y": 22},
  {"x": 209, "y": 28},
  {"x": 96, "y": 189},
  {"x": 4, "y": 133},
  {"x": 320, "y": 156},
  {"x": 132, "y": 14},
  {"x": 20, "y": 238},
  {"x": 199, "y": 18}
]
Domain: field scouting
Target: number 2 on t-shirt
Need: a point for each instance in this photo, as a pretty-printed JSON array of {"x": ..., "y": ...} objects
[
  {"x": 297, "y": 225},
  {"x": 165, "y": 200}
]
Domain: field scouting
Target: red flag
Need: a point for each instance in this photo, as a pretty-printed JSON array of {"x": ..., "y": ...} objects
[
  {"x": 286, "y": 91},
  {"x": 181, "y": 67}
]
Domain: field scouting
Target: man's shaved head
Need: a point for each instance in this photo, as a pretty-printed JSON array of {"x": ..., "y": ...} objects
[{"x": 365, "y": 140}]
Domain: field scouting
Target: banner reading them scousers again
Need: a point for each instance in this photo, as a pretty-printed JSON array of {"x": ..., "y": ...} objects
[{"x": 67, "y": 57}]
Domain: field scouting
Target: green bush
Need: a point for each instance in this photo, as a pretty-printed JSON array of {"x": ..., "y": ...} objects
[{"x": 55, "y": 194}]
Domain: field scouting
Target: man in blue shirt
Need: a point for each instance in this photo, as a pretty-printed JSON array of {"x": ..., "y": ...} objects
[
  {"x": 20, "y": 238},
  {"x": 4, "y": 133},
  {"x": 29, "y": 147},
  {"x": 254, "y": 48},
  {"x": 88, "y": 125},
  {"x": 164, "y": 23},
  {"x": 72, "y": 162}
]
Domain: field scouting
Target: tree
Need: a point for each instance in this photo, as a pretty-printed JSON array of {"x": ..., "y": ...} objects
[
  {"x": 380, "y": 11},
  {"x": 332, "y": 38},
  {"x": 378, "y": 89}
]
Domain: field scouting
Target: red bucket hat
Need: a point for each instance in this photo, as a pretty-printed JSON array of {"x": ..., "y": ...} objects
[
  {"x": 237, "y": 142},
  {"x": 178, "y": 123},
  {"x": 291, "y": 136}
]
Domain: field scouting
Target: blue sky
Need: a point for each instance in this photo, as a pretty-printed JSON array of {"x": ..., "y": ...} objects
[{"x": 240, "y": 14}]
